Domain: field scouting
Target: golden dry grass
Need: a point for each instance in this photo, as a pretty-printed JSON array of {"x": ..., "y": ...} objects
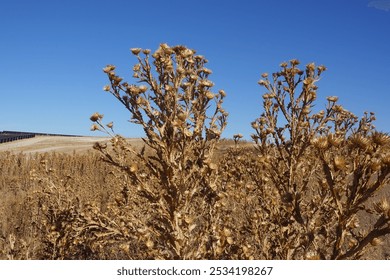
[{"x": 75, "y": 206}]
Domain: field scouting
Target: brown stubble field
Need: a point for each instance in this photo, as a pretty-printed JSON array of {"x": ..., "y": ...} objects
[{"x": 35, "y": 170}]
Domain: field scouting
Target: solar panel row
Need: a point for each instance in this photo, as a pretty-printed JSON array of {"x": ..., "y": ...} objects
[{"x": 4, "y": 137}]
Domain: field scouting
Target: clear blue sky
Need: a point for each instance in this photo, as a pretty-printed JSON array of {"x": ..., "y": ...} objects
[{"x": 52, "y": 53}]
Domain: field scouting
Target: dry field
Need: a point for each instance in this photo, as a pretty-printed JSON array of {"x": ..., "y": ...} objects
[
  {"x": 42, "y": 144},
  {"x": 311, "y": 184},
  {"x": 67, "y": 176}
]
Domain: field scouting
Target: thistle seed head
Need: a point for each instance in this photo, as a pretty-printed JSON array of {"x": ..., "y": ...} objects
[
  {"x": 283, "y": 64},
  {"x": 359, "y": 141},
  {"x": 136, "y": 68},
  {"x": 222, "y": 93},
  {"x": 207, "y": 71},
  {"x": 321, "y": 68},
  {"x": 108, "y": 68},
  {"x": 320, "y": 143},
  {"x": 332, "y": 98},
  {"x": 187, "y": 53},
  {"x": 386, "y": 159},
  {"x": 312, "y": 95},
  {"x": 209, "y": 95},
  {"x": 375, "y": 165},
  {"x": 206, "y": 83},
  {"x": 308, "y": 81},
  {"x": 294, "y": 62},
  {"x": 340, "y": 163},
  {"x": 117, "y": 79},
  {"x": 335, "y": 140},
  {"x": 136, "y": 51},
  {"x": 306, "y": 110},
  {"x": 94, "y": 127},
  {"x": 380, "y": 138},
  {"x": 255, "y": 125},
  {"x": 110, "y": 125},
  {"x": 311, "y": 66},
  {"x": 95, "y": 117},
  {"x": 142, "y": 88},
  {"x": 188, "y": 133}
]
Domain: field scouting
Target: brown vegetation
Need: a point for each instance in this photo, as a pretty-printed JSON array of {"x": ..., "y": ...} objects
[{"x": 313, "y": 186}]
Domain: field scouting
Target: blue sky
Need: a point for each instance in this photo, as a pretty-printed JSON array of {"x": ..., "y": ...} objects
[{"x": 52, "y": 53}]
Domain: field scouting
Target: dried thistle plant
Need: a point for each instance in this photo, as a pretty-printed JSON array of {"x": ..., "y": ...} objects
[
  {"x": 323, "y": 168},
  {"x": 171, "y": 101}
]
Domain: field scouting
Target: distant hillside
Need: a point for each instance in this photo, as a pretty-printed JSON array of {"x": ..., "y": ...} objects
[
  {"x": 63, "y": 144},
  {"x": 9, "y": 136}
]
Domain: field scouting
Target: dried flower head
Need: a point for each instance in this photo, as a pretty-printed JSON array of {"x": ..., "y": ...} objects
[
  {"x": 209, "y": 95},
  {"x": 136, "y": 51},
  {"x": 109, "y": 68},
  {"x": 320, "y": 142},
  {"x": 332, "y": 98},
  {"x": 207, "y": 71},
  {"x": 335, "y": 140},
  {"x": 386, "y": 159},
  {"x": 359, "y": 141},
  {"x": 308, "y": 81},
  {"x": 255, "y": 125},
  {"x": 294, "y": 62},
  {"x": 339, "y": 162},
  {"x": 321, "y": 68},
  {"x": 380, "y": 138},
  {"x": 182, "y": 116},
  {"x": 375, "y": 165},
  {"x": 222, "y": 93},
  {"x": 206, "y": 83},
  {"x": 310, "y": 66},
  {"x": 95, "y": 127},
  {"x": 110, "y": 125},
  {"x": 95, "y": 117},
  {"x": 306, "y": 110},
  {"x": 283, "y": 64},
  {"x": 188, "y": 133},
  {"x": 136, "y": 67},
  {"x": 142, "y": 88}
]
